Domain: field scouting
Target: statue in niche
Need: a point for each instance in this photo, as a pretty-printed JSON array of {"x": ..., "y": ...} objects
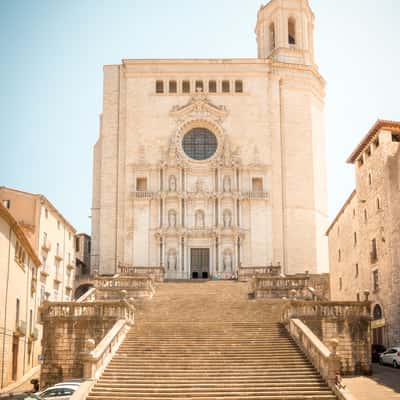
[
  {"x": 171, "y": 260},
  {"x": 199, "y": 219},
  {"x": 172, "y": 183},
  {"x": 227, "y": 219},
  {"x": 227, "y": 260},
  {"x": 227, "y": 184},
  {"x": 199, "y": 186},
  {"x": 172, "y": 218}
]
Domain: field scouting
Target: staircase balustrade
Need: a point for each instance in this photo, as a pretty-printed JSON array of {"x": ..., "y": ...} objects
[
  {"x": 136, "y": 286},
  {"x": 265, "y": 286},
  {"x": 246, "y": 273},
  {"x": 156, "y": 273}
]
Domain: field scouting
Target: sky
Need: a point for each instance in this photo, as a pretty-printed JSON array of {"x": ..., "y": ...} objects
[{"x": 53, "y": 51}]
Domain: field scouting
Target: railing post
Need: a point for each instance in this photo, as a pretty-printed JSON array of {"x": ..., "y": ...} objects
[
  {"x": 333, "y": 362},
  {"x": 89, "y": 367}
]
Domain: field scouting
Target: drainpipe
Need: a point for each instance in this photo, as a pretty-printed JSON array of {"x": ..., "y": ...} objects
[{"x": 6, "y": 303}]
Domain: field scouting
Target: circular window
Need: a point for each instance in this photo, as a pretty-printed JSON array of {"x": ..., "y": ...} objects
[{"x": 199, "y": 144}]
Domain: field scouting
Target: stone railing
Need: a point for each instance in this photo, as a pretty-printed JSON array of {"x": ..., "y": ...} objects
[
  {"x": 246, "y": 273},
  {"x": 349, "y": 321},
  {"x": 136, "y": 286},
  {"x": 272, "y": 287},
  {"x": 156, "y": 273},
  {"x": 118, "y": 309},
  {"x": 97, "y": 357},
  {"x": 138, "y": 194},
  {"x": 325, "y": 361}
]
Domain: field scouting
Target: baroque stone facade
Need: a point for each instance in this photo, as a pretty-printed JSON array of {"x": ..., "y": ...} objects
[
  {"x": 203, "y": 166},
  {"x": 364, "y": 238}
]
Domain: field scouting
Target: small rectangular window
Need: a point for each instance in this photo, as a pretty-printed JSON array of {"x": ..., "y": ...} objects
[
  {"x": 257, "y": 184},
  {"x": 159, "y": 87},
  {"x": 58, "y": 225},
  {"x": 340, "y": 284},
  {"x": 141, "y": 184},
  {"x": 395, "y": 137},
  {"x": 199, "y": 86},
  {"x": 375, "y": 275},
  {"x": 173, "y": 87},
  {"x": 46, "y": 213},
  {"x": 360, "y": 161},
  {"x": 226, "y": 87},
  {"x": 355, "y": 239},
  {"x": 357, "y": 271},
  {"x": 6, "y": 203},
  {"x": 368, "y": 151},
  {"x": 374, "y": 251},
  {"x": 239, "y": 86},
  {"x": 77, "y": 244},
  {"x": 376, "y": 142},
  {"x": 212, "y": 86},
  {"x": 186, "y": 86}
]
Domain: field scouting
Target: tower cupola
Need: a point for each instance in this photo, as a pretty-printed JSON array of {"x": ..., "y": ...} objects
[{"x": 285, "y": 31}]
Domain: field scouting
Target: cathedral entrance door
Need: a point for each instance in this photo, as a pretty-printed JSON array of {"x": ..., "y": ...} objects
[{"x": 200, "y": 263}]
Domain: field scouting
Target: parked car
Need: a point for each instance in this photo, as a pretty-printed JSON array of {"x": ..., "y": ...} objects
[
  {"x": 20, "y": 396},
  {"x": 63, "y": 392},
  {"x": 376, "y": 351},
  {"x": 69, "y": 383},
  {"x": 391, "y": 357}
]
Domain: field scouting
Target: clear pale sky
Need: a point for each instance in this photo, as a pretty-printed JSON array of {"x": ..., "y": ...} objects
[{"x": 52, "y": 53}]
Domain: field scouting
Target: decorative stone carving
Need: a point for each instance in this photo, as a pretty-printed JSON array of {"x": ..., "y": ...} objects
[
  {"x": 199, "y": 186},
  {"x": 171, "y": 260},
  {"x": 227, "y": 183},
  {"x": 172, "y": 218},
  {"x": 227, "y": 260},
  {"x": 199, "y": 219},
  {"x": 172, "y": 183},
  {"x": 227, "y": 219}
]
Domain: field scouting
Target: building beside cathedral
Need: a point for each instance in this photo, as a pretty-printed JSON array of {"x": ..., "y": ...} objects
[{"x": 206, "y": 165}]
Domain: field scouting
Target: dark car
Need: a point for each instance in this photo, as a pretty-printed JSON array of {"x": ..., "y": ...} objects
[
  {"x": 376, "y": 351},
  {"x": 20, "y": 396}
]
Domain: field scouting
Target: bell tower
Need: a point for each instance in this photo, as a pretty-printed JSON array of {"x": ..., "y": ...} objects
[{"x": 285, "y": 32}]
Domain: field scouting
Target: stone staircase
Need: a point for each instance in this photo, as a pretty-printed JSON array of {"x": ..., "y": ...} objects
[{"x": 206, "y": 340}]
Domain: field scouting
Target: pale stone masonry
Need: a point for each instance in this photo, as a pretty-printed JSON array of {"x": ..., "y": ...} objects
[
  {"x": 364, "y": 239},
  {"x": 19, "y": 334},
  {"x": 203, "y": 166}
]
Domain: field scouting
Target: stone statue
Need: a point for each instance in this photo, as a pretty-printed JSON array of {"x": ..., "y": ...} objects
[
  {"x": 199, "y": 219},
  {"x": 172, "y": 183},
  {"x": 199, "y": 186},
  {"x": 227, "y": 261},
  {"x": 172, "y": 218},
  {"x": 227, "y": 184},
  {"x": 227, "y": 218},
  {"x": 171, "y": 259}
]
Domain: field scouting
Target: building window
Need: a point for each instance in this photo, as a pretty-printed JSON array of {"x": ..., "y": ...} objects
[
  {"x": 257, "y": 185},
  {"x": 7, "y": 203},
  {"x": 368, "y": 151},
  {"x": 212, "y": 86},
  {"x": 186, "y": 86},
  {"x": 226, "y": 87},
  {"x": 58, "y": 225},
  {"x": 272, "y": 37},
  {"x": 355, "y": 238},
  {"x": 374, "y": 251},
  {"x": 354, "y": 212},
  {"x": 376, "y": 142},
  {"x": 377, "y": 312},
  {"x": 58, "y": 249},
  {"x": 199, "y": 144},
  {"x": 395, "y": 137},
  {"x": 358, "y": 296},
  {"x": 378, "y": 203},
  {"x": 369, "y": 179},
  {"x": 357, "y": 271},
  {"x": 375, "y": 276},
  {"x": 173, "y": 87},
  {"x": 360, "y": 161},
  {"x": 239, "y": 86},
  {"x": 46, "y": 213},
  {"x": 292, "y": 31},
  {"x": 339, "y": 255},
  {"x": 141, "y": 184},
  {"x": 340, "y": 283},
  {"x": 77, "y": 244},
  {"x": 365, "y": 216},
  {"x": 199, "y": 86},
  {"x": 17, "y": 310},
  {"x": 159, "y": 87}
]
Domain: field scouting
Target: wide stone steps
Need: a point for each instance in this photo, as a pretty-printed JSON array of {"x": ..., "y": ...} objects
[{"x": 208, "y": 341}]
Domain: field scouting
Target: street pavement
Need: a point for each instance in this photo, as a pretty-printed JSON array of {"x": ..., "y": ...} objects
[{"x": 384, "y": 384}]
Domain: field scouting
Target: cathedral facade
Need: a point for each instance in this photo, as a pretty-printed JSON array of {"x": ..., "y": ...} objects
[{"x": 206, "y": 165}]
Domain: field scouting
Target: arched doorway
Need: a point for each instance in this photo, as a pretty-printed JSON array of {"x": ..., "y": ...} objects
[{"x": 378, "y": 325}]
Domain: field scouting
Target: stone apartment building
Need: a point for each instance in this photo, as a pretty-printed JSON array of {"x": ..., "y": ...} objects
[
  {"x": 364, "y": 238},
  {"x": 51, "y": 236},
  {"x": 19, "y": 332},
  {"x": 205, "y": 166}
]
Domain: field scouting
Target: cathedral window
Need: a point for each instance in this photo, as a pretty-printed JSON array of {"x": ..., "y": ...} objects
[
  {"x": 226, "y": 87},
  {"x": 212, "y": 86},
  {"x": 159, "y": 87},
  {"x": 292, "y": 31},
  {"x": 239, "y": 86},
  {"x": 186, "y": 86},
  {"x": 199, "y": 144},
  {"x": 199, "y": 86},
  {"x": 173, "y": 88},
  {"x": 141, "y": 184}
]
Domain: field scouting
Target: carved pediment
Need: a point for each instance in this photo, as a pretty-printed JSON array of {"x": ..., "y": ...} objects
[{"x": 199, "y": 107}]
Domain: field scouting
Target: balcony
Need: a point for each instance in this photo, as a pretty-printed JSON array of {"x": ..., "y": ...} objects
[
  {"x": 255, "y": 195},
  {"x": 46, "y": 246},
  {"x": 58, "y": 277},
  {"x": 142, "y": 195},
  {"x": 45, "y": 269},
  {"x": 71, "y": 265},
  {"x": 20, "y": 328},
  {"x": 34, "y": 335},
  {"x": 69, "y": 283},
  {"x": 58, "y": 257}
]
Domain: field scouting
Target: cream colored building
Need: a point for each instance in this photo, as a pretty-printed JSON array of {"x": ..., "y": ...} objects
[
  {"x": 364, "y": 238},
  {"x": 19, "y": 264},
  {"x": 52, "y": 237},
  {"x": 203, "y": 165}
]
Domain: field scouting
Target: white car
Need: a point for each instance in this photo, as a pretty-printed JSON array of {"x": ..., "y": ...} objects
[
  {"x": 391, "y": 356},
  {"x": 61, "y": 392}
]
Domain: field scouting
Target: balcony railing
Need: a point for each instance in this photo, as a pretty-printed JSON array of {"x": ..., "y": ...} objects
[
  {"x": 20, "y": 328},
  {"x": 142, "y": 195},
  {"x": 45, "y": 269},
  {"x": 46, "y": 245},
  {"x": 255, "y": 195}
]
